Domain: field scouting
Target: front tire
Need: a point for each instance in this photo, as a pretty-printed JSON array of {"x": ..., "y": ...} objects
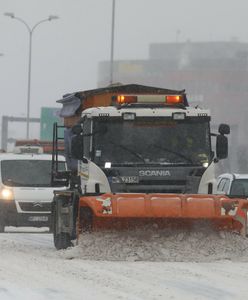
[
  {"x": 62, "y": 240},
  {"x": 2, "y": 226}
]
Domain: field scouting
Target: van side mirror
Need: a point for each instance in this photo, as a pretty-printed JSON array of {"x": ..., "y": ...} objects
[
  {"x": 221, "y": 146},
  {"x": 61, "y": 178},
  {"x": 77, "y": 147}
]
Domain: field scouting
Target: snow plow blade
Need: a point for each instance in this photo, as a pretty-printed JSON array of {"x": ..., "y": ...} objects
[{"x": 123, "y": 211}]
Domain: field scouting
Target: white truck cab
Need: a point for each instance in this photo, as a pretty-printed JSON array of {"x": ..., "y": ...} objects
[{"x": 25, "y": 187}]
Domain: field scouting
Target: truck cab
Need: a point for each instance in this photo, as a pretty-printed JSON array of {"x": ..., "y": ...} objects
[{"x": 147, "y": 144}]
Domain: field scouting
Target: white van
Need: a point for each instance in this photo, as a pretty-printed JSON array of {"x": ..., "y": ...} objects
[
  {"x": 233, "y": 185},
  {"x": 25, "y": 188}
]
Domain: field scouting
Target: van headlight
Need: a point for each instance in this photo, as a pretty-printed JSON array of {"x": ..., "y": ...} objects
[{"x": 6, "y": 194}]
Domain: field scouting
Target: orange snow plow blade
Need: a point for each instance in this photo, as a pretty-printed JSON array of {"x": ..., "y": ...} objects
[{"x": 120, "y": 211}]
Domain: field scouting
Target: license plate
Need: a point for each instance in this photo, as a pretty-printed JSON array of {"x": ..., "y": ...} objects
[
  {"x": 130, "y": 179},
  {"x": 38, "y": 219}
]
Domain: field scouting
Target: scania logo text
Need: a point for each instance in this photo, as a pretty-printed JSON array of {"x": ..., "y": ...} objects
[{"x": 154, "y": 173}]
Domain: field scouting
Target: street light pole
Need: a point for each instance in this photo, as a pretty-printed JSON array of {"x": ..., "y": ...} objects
[
  {"x": 112, "y": 42},
  {"x": 30, "y": 31}
]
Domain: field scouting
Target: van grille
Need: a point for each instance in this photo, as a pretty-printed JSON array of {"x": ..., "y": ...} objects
[{"x": 35, "y": 206}]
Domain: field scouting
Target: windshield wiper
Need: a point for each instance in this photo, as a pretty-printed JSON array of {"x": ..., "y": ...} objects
[
  {"x": 174, "y": 152},
  {"x": 129, "y": 150}
]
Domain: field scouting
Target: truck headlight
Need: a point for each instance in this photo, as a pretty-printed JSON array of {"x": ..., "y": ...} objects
[
  {"x": 6, "y": 194},
  {"x": 107, "y": 165}
]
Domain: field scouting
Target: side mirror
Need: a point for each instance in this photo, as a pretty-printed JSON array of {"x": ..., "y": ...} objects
[
  {"x": 61, "y": 178},
  {"x": 77, "y": 147},
  {"x": 224, "y": 129},
  {"x": 77, "y": 129},
  {"x": 221, "y": 146}
]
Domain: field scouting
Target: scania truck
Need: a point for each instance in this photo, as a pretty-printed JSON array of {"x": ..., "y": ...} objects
[{"x": 143, "y": 154}]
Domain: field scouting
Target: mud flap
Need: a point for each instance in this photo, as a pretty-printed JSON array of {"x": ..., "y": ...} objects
[
  {"x": 241, "y": 217},
  {"x": 63, "y": 220}
]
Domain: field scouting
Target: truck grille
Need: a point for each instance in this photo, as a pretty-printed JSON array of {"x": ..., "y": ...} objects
[
  {"x": 158, "y": 186},
  {"x": 163, "y": 182}
]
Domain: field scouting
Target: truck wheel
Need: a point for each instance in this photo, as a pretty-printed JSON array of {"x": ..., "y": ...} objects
[{"x": 62, "y": 240}]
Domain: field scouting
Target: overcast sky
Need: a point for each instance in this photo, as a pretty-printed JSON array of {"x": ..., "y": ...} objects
[{"x": 66, "y": 52}]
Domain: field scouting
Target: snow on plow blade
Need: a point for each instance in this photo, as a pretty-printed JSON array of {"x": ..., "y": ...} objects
[{"x": 120, "y": 211}]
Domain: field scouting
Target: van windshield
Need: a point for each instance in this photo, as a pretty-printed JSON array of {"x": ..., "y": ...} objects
[
  {"x": 28, "y": 173},
  {"x": 239, "y": 188}
]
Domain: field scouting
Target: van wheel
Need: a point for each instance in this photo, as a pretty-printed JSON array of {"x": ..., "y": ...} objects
[
  {"x": 62, "y": 241},
  {"x": 2, "y": 227}
]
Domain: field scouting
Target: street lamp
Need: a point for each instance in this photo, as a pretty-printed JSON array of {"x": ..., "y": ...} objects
[
  {"x": 30, "y": 31},
  {"x": 112, "y": 42}
]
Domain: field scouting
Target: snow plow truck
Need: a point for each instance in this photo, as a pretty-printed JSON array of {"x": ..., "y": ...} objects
[{"x": 138, "y": 155}]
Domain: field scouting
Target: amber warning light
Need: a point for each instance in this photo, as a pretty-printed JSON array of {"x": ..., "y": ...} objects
[
  {"x": 149, "y": 99},
  {"x": 174, "y": 99},
  {"x": 121, "y": 99}
]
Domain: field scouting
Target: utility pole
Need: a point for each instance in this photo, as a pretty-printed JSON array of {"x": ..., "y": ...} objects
[{"x": 112, "y": 43}]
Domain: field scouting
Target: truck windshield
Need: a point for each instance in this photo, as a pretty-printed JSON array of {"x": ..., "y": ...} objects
[
  {"x": 152, "y": 141},
  {"x": 28, "y": 173}
]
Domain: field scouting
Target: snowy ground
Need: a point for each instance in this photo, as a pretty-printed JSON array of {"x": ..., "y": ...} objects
[{"x": 142, "y": 265}]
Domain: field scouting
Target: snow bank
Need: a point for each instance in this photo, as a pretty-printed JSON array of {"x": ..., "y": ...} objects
[{"x": 160, "y": 245}]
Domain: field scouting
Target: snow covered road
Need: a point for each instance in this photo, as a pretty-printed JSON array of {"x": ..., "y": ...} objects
[{"x": 30, "y": 268}]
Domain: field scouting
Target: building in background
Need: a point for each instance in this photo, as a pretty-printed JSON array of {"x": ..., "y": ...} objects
[
  {"x": 48, "y": 116},
  {"x": 214, "y": 75}
]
